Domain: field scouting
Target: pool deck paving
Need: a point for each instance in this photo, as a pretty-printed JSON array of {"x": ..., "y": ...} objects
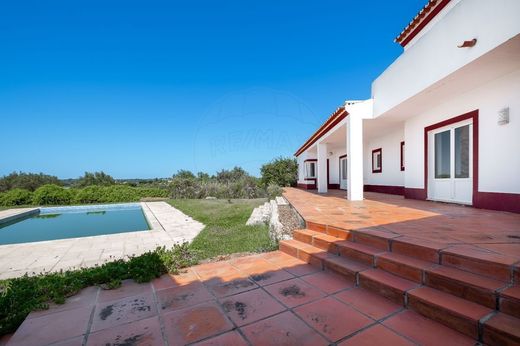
[
  {"x": 12, "y": 214},
  {"x": 264, "y": 299},
  {"x": 168, "y": 227}
]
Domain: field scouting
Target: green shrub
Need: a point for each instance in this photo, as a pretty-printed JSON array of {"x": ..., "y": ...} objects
[
  {"x": 273, "y": 191},
  {"x": 280, "y": 171},
  {"x": 16, "y": 197},
  {"x": 152, "y": 192},
  {"x": 90, "y": 194},
  {"x": 119, "y": 194},
  {"x": 20, "y": 296},
  {"x": 52, "y": 195},
  {"x": 185, "y": 188}
]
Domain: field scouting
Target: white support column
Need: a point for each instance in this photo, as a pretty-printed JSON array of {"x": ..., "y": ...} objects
[
  {"x": 355, "y": 157},
  {"x": 322, "y": 168}
]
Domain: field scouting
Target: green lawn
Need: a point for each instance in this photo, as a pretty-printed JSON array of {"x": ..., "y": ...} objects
[{"x": 226, "y": 231}]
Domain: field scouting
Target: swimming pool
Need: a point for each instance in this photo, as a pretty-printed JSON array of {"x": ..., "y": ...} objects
[{"x": 73, "y": 222}]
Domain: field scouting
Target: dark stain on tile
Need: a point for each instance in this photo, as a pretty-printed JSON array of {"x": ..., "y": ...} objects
[
  {"x": 106, "y": 312},
  {"x": 237, "y": 306},
  {"x": 292, "y": 291},
  {"x": 179, "y": 298},
  {"x": 260, "y": 277},
  {"x": 130, "y": 341}
]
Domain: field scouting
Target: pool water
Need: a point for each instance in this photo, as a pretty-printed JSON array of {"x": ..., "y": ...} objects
[{"x": 73, "y": 222}]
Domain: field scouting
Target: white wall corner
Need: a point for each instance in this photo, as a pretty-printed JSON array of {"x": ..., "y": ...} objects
[{"x": 362, "y": 109}]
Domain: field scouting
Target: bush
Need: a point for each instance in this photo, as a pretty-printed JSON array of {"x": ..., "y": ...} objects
[
  {"x": 52, "y": 195},
  {"x": 90, "y": 194},
  {"x": 16, "y": 197},
  {"x": 152, "y": 192},
  {"x": 185, "y": 188},
  {"x": 119, "y": 193},
  {"x": 280, "y": 171},
  {"x": 20, "y": 296},
  {"x": 274, "y": 191}
]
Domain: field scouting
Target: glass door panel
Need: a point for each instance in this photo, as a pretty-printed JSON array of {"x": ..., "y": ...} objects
[
  {"x": 462, "y": 152},
  {"x": 442, "y": 155}
]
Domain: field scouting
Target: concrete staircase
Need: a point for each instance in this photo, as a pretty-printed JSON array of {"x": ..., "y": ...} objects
[{"x": 471, "y": 293}]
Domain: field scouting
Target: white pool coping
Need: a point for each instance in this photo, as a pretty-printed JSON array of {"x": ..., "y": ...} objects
[{"x": 168, "y": 226}]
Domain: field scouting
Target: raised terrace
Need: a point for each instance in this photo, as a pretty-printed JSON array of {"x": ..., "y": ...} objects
[{"x": 457, "y": 265}]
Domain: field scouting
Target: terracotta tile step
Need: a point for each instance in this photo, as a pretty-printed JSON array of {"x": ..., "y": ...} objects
[
  {"x": 318, "y": 227},
  {"x": 375, "y": 238},
  {"x": 329, "y": 230},
  {"x": 303, "y": 251},
  {"x": 425, "y": 250},
  {"x": 501, "y": 329},
  {"x": 386, "y": 284},
  {"x": 454, "y": 312},
  {"x": 345, "y": 267},
  {"x": 463, "y": 284},
  {"x": 358, "y": 252},
  {"x": 509, "y": 301},
  {"x": 406, "y": 267},
  {"x": 479, "y": 261},
  {"x": 317, "y": 239}
]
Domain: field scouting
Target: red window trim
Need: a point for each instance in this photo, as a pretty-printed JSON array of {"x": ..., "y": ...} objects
[
  {"x": 402, "y": 156},
  {"x": 380, "y": 151}
]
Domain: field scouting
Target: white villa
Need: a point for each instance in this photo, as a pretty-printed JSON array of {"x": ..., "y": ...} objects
[{"x": 443, "y": 122}]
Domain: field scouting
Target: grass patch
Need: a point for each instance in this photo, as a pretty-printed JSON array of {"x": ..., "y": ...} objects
[
  {"x": 20, "y": 296},
  {"x": 226, "y": 231}
]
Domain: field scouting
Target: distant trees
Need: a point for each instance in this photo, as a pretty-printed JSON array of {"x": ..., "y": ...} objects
[
  {"x": 96, "y": 178},
  {"x": 20, "y": 188},
  {"x": 184, "y": 174},
  {"x": 227, "y": 176},
  {"x": 280, "y": 171},
  {"x": 27, "y": 181}
]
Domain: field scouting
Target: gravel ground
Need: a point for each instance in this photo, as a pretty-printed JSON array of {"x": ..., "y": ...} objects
[{"x": 289, "y": 219}]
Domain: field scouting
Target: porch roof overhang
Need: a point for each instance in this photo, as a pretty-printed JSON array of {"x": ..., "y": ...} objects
[{"x": 329, "y": 124}]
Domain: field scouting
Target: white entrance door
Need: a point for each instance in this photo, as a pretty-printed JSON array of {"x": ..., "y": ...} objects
[
  {"x": 343, "y": 173},
  {"x": 450, "y": 163}
]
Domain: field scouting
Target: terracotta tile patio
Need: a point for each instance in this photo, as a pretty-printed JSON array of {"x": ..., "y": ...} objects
[
  {"x": 345, "y": 280},
  {"x": 464, "y": 230},
  {"x": 288, "y": 302}
]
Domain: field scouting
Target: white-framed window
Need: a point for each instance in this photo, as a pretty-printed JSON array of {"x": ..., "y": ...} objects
[
  {"x": 310, "y": 169},
  {"x": 344, "y": 168}
]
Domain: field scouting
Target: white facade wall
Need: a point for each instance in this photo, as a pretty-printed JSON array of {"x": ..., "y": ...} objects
[
  {"x": 435, "y": 55},
  {"x": 499, "y": 160},
  {"x": 391, "y": 174}
]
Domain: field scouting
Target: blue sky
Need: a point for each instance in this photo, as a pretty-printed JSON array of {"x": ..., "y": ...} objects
[{"x": 144, "y": 88}]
